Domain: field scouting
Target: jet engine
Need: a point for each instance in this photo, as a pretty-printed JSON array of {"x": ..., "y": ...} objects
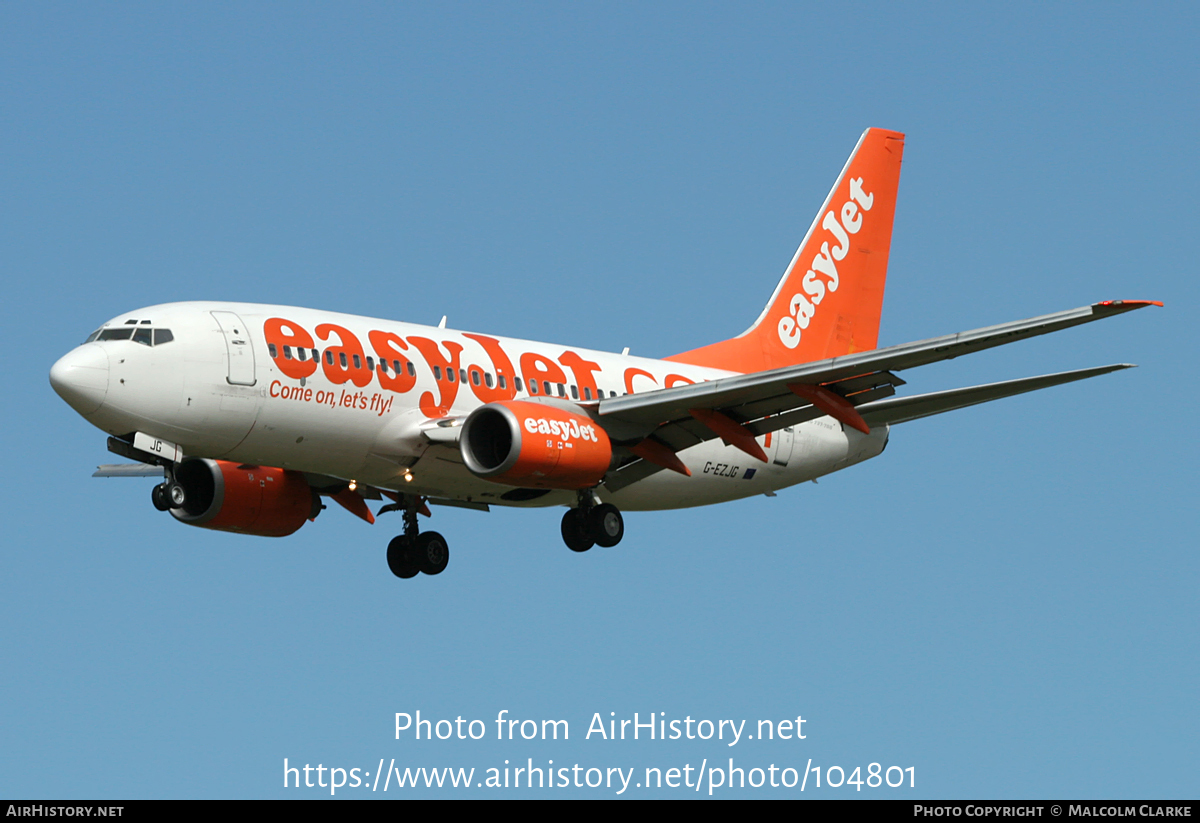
[
  {"x": 537, "y": 445},
  {"x": 246, "y": 499}
]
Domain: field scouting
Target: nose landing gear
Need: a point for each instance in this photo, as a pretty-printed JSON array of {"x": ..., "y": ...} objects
[
  {"x": 416, "y": 551},
  {"x": 168, "y": 494},
  {"x": 592, "y": 523}
]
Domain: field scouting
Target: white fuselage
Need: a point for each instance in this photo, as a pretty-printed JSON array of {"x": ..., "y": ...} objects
[{"x": 219, "y": 389}]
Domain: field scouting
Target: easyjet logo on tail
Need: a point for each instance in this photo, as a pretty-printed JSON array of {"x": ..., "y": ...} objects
[{"x": 822, "y": 273}]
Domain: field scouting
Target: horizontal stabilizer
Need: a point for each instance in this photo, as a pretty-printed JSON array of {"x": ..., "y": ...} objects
[
  {"x": 902, "y": 409},
  {"x": 128, "y": 470}
]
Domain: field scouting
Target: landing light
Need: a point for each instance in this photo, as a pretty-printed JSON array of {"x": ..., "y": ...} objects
[
  {"x": 353, "y": 485},
  {"x": 408, "y": 477}
]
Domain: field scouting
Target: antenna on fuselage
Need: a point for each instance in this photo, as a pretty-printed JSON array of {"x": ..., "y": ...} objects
[{"x": 442, "y": 324}]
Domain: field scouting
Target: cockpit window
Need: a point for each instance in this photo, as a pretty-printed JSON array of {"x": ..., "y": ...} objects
[{"x": 139, "y": 334}]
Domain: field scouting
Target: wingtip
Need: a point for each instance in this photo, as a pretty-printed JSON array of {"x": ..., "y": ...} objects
[{"x": 1129, "y": 304}]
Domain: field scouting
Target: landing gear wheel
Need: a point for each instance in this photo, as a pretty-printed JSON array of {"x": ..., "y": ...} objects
[
  {"x": 400, "y": 559},
  {"x": 176, "y": 495},
  {"x": 574, "y": 531},
  {"x": 606, "y": 525},
  {"x": 432, "y": 553},
  {"x": 158, "y": 496}
]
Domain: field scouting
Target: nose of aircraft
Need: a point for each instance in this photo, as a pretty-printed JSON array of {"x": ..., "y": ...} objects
[{"x": 81, "y": 378}]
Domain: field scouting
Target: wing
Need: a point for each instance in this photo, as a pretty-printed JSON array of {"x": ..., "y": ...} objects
[
  {"x": 856, "y": 389},
  {"x": 128, "y": 470}
]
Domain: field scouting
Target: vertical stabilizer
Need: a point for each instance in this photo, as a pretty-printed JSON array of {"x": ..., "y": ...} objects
[{"x": 830, "y": 297}]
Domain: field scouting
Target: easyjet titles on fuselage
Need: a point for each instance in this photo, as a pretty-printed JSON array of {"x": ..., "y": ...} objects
[{"x": 342, "y": 359}]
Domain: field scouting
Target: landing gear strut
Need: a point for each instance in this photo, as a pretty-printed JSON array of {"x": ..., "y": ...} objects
[
  {"x": 414, "y": 551},
  {"x": 592, "y": 523}
]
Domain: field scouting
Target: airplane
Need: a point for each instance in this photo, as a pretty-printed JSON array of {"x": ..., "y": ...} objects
[{"x": 252, "y": 414}]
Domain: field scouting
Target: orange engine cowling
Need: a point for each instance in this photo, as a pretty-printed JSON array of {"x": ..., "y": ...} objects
[
  {"x": 247, "y": 499},
  {"x": 519, "y": 443}
]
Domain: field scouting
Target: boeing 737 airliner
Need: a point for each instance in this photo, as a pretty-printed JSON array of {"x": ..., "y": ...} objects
[{"x": 253, "y": 413}]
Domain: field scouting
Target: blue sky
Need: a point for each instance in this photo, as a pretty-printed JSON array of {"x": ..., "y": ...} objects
[{"x": 1006, "y": 600}]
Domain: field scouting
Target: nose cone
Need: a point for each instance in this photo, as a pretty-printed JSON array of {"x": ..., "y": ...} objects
[{"x": 81, "y": 378}]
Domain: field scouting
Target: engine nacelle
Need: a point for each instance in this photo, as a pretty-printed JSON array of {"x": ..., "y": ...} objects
[
  {"x": 538, "y": 445},
  {"x": 247, "y": 499}
]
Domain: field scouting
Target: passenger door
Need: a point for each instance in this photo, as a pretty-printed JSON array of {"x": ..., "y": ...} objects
[{"x": 238, "y": 347}]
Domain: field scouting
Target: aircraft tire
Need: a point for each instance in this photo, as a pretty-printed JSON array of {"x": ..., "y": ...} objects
[
  {"x": 158, "y": 496},
  {"x": 574, "y": 531},
  {"x": 432, "y": 553},
  {"x": 606, "y": 525},
  {"x": 176, "y": 495},
  {"x": 400, "y": 559}
]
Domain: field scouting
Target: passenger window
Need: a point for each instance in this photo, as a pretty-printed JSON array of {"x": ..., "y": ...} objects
[
  {"x": 383, "y": 366},
  {"x": 587, "y": 393},
  {"x": 162, "y": 336},
  {"x": 437, "y": 372},
  {"x": 273, "y": 351},
  {"x": 329, "y": 356},
  {"x": 357, "y": 362},
  {"x": 142, "y": 336},
  {"x": 370, "y": 363},
  {"x": 462, "y": 375},
  {"x": 547, "y": 390},
  {"x": 342, "y": 360},
  {"x": 503, "y": 383},
  {"x": 562, "y": 390},
  {"x": 475, "y": 378},
  {"x": 517, "y": 383},
  {"x": 575, "y": 392},
  {"x": 412, "y": 370},
  {"x": 487, "y": 378},
  {"x": 533, "y": 389},
  {"x": 303, "y": 353},
  {"x": 287, "y": 352},
  {"x": 450, "y": 375}
]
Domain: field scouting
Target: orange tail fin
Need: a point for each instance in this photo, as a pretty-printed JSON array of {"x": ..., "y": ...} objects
[{"x": 830, "y": 298}]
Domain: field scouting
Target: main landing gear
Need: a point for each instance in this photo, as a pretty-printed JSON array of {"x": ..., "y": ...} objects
[
  {"x": 416, "y": 551},
  {"x": 592, "y": 524}
]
